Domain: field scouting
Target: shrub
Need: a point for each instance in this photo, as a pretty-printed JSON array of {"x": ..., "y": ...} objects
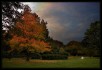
[
  {"x": 35, "y": 56},
  {"x": 54, "y": 56}
]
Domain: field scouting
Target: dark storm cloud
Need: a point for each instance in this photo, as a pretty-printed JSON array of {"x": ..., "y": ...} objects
[{"x": 69, "y": 20}]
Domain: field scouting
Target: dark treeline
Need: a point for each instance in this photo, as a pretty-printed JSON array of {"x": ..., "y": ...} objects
[{"x": 28, "y": 36}]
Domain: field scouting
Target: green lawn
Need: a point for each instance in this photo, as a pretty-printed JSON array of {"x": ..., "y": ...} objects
[{"x": 72, "y": 62}]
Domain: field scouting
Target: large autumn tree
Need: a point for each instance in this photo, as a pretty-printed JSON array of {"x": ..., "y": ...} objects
[{"x": 29, "y": 32}]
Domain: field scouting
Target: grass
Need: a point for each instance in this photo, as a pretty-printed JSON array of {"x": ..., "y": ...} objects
[{"x": 72, "y": 62}]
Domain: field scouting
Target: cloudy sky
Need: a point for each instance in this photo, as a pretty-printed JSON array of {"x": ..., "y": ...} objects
[{"x": 67, "y": 21}]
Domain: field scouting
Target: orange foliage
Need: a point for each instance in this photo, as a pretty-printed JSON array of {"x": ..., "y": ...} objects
[{"x": 29, "y": 33}]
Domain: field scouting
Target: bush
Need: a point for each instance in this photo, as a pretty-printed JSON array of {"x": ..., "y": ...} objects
[
  {"x": 35, "y": 56},
  {"x": 54, "y": 56}
]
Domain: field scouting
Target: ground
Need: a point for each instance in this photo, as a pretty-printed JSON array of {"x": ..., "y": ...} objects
[{"x": 71, "y": 62}]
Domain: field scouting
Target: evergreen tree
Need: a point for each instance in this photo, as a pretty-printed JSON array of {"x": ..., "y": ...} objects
[{"x": 92, "y": 38}]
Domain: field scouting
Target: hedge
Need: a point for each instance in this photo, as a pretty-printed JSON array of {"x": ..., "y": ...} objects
[
  {"x": 54, "y": 56},
  {"x": 35, "y": 56}
]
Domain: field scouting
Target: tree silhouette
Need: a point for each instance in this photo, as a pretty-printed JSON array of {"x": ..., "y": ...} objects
[
  {"x": 10, "y": 13},
  {"x": 92, "y": 38}
]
